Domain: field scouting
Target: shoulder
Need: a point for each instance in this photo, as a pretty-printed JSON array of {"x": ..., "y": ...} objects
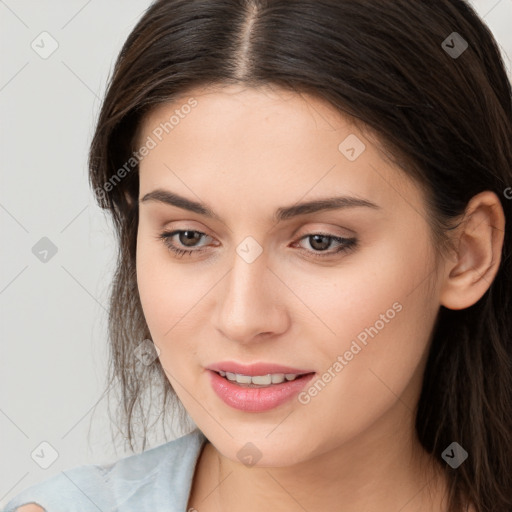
[
  {"x": 152, "y": 477},
  {"x": 30, "y": 508}
]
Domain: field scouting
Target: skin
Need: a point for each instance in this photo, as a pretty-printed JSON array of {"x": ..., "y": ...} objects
[{"x": 246, "y": 152}]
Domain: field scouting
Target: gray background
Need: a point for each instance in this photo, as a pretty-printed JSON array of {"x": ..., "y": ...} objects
[{"x": 53, "y": 313}]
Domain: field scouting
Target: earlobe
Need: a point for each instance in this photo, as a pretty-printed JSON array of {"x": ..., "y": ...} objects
[{"x": 479, "y": 245}]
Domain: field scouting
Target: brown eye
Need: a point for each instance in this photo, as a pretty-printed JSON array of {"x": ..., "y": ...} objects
[
  {"x": 186, "y": 238},
  {"x": 321, "y": 242}
]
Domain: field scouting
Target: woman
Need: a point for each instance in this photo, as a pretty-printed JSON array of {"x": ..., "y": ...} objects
[{"x": 311, "y": 201}]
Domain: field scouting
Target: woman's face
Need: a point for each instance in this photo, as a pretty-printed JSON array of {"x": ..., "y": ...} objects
[{"x": 354, "y": 304}]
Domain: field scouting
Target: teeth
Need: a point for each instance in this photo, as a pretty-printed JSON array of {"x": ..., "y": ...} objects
[{"x": 261, "y": 380}]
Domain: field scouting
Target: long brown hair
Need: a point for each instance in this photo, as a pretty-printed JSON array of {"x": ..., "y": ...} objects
[{"x": 439, "y": 103}]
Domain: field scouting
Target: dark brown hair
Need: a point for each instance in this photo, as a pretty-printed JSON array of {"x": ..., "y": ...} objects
[{"x": 445, "y": 119}]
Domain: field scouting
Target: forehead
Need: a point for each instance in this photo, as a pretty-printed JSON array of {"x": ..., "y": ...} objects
[
  {"x": 237, "y": 104},
  {"x": 265, "y": 142}
]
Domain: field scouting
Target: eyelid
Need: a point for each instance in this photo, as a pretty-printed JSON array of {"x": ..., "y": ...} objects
[
  {"x": 345, "y": 244},
  {"x": 299, "y": 233},
  {"x": 318, "y": 229}
]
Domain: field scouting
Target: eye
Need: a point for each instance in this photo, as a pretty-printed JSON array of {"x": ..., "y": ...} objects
[
  {"x": 186, "y": 237},
  {"x": 320, "y": 242}
]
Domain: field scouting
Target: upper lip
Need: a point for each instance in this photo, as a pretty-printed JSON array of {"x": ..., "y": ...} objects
[{"x": 255, "y": 368}]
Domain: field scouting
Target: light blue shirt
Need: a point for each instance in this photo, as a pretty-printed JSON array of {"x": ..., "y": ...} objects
[{"x": 157, "y": 480}]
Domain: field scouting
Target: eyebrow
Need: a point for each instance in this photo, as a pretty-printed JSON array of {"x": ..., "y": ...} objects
[{"x": 281, "y": 214}]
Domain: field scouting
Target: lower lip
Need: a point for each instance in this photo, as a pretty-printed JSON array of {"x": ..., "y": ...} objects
[{"x": 256, "y": 399}]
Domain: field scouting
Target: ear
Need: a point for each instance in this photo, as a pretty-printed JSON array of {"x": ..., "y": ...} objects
[{"x": 480, "y": 241}]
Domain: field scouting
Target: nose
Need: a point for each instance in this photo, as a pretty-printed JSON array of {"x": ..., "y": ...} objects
[{"x": 251, "y": 302}]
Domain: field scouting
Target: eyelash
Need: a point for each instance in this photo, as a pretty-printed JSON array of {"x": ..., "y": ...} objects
[{"x": 348, "y": 244}]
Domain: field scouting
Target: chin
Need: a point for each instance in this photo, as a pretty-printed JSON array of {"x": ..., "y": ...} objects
[{"x": 260, "y": 451}]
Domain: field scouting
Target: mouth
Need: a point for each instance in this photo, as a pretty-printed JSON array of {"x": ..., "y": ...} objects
[
  {"x": 260, "y": 381},
  {"x": 259, "y": 392}
]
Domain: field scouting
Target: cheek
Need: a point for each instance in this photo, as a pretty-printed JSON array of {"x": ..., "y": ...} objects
[
  {"x": 382, "y": 314},
  {"x": 379, "y": 289},
  {"x": 171, "y": 294}
]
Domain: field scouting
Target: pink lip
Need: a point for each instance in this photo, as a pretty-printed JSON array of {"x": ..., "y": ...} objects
[
  {"x": 254, "y": 369},
  {"x": 257, "y": 399}
]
